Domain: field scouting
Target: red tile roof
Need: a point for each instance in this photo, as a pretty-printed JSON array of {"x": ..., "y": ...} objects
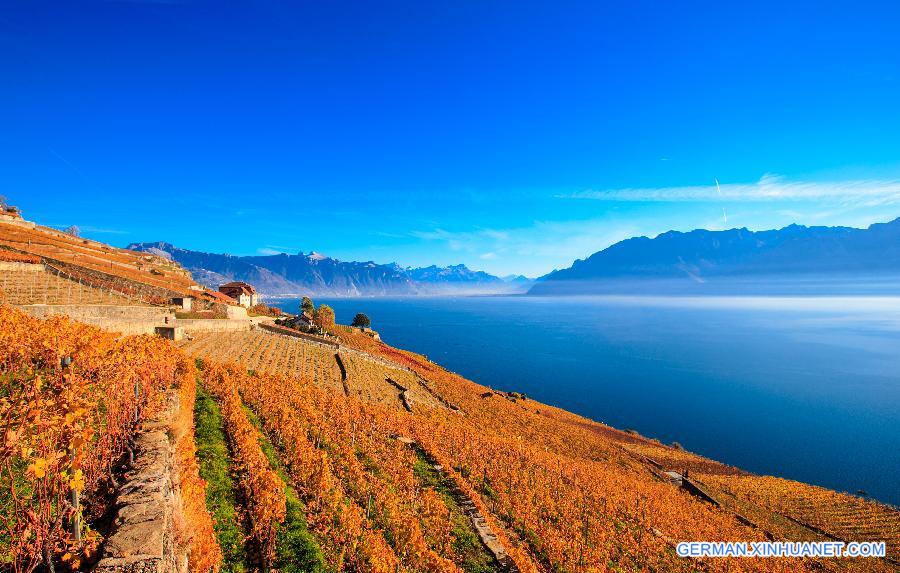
[
  {"x": 220, "y": 297},
  {"x": 239, "y": 287}
]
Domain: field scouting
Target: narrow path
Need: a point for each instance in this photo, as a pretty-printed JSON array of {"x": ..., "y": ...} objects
[{"x": 485, "y": 534}]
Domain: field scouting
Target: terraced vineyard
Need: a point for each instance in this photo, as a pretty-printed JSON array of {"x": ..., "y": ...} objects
[
  {"x": 551, "y": 506},
  {"x": 840, "y": 515},
  {"x": 130, "y": 265},
  {"x": 44, "y": 287},
  {"x": 579, "y": 441},
  {"x": 367, "y": 378},
  {"x": 316, "y": 476}
]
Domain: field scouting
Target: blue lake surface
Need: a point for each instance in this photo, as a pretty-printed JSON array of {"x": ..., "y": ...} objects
[{"x": 806, "y": 388}]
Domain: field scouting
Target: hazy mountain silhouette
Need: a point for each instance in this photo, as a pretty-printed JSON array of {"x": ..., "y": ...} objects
[
  {"x": 687, "y": 261},
  {"x": 317, "y": 274}
]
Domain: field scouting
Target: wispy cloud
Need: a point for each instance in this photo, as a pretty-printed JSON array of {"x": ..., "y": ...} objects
[
  {"x": 859, "y": 193},
  {"x": 390, "y": 235},
  {"x": 533, "y": 249}
]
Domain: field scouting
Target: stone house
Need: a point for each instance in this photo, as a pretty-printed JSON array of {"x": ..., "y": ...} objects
[{"x": 243, "y": 293}]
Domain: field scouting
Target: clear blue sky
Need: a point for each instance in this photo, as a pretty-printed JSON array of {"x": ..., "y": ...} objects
[{"x": 511, "y": 136}]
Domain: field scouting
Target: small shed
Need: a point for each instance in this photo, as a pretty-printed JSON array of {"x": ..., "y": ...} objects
[{"x": 170, "y": 332}]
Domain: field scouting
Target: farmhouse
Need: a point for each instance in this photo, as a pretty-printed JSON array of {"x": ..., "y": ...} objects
[{"x": 242, "y": 292}]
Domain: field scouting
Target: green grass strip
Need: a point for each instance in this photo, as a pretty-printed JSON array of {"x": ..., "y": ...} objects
[
  {"x": 216, "y": 469},
  {"x": 469, "y": 553},
  {"x": 297, "y": 549}
]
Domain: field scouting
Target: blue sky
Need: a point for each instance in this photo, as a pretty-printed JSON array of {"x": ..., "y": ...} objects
[{"x": 510, "y": 136}]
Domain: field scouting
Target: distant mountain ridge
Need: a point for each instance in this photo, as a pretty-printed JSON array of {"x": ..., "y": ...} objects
[
  {"x": 700, "y": 257},
  {"x": 317, "y": 274}
]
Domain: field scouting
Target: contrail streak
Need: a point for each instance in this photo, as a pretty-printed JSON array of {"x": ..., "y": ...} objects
[{"x": 719, "y": 191}]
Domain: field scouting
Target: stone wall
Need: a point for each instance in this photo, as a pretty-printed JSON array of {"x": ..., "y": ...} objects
[
  {"x": 16, "y": 220},
  {"x": 148, "y": 506},
  {"x": 285, "y": 331},
  {"x": 140, "y": 319},
  {"x": 213, "y": 324},
  {"x": 121, "y": 319},
  {"x": 14, "y": 266},
  {"x": 222, "y": 324}
]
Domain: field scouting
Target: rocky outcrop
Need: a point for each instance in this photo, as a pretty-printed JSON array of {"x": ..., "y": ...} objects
[{"x": 149, "y": 506}]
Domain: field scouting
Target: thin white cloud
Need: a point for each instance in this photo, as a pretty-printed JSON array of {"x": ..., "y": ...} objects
[
  {"x": 859, "y": 192},
  {"x": 535, "y": 249}
]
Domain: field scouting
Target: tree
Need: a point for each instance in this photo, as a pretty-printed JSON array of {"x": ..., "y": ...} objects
[
  {"x": 72, "y": 230},
  {"x": 324, "y": 317},
  {"x": 306, "y": 305},
  {"x": 361, "y": 320}
]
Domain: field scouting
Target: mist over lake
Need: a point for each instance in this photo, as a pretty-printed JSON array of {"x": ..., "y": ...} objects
[{"x": 806, "y": 388}]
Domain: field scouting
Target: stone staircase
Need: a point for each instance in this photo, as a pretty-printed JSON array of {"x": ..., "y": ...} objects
[{"x": 486, "y": 535}]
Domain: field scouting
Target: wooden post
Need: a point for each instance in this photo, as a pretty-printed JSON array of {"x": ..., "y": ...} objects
[
  {"x": 76, "y": 521},
  {"x": 137, "y": 394}
]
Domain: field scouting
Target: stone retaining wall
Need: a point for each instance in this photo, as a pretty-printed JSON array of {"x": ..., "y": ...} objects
[
  {"x": 221, "y": 324},
  {"x": 149, "y": 505},
  {"x": 285, "y": 331},
  {"x": 17, "y": 266},
  {"x": 121, "y": 319},
  {"x": 86, "y": 312}
]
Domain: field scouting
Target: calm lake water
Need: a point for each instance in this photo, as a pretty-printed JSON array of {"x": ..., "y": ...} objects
[{"x": 805, "y": 388}]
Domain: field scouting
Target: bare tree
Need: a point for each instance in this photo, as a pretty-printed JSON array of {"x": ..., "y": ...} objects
[
  {"x": 72, "y": 230},
  {"x": 4, "y": 202}
]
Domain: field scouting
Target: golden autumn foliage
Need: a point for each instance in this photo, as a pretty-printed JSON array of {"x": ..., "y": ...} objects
[
  {"x": 561, "y": 493},
  {"x": 262, "y": 487},
  {"x": 72, "y": 397},
  {"x": 196, "y": 532}
]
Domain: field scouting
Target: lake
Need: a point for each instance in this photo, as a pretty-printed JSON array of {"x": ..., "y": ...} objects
[{"x": 806, "y": 388}]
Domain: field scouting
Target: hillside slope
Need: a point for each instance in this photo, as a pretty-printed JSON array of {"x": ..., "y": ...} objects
[
  {"x": 379, "y": 461},
  {"x": 553, "y": 484},
  {"x": 58, "y": 247}
]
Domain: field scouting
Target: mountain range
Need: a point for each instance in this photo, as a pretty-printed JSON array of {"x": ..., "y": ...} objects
[
  {"x": 315, "y": 274},
  {"x": 738, "y": 260},
  {"x": 699, "y": 261}
]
